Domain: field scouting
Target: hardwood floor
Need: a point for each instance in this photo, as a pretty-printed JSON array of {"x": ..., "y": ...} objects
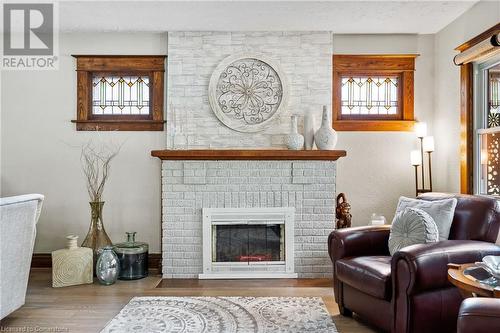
[{"x": 88, "y": 308}]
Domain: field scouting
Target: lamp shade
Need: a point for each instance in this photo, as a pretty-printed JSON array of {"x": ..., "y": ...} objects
[
  {"x": 415, "y": 158},
  {"x": 428, "y": 144},
  {"x": 421, "y": 129}
]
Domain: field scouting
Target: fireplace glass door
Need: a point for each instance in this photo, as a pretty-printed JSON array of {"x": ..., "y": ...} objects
[{"x": 248, "y": 243}]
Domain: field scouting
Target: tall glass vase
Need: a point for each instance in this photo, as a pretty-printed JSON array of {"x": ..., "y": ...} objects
[{"x": 97, "y": 237}]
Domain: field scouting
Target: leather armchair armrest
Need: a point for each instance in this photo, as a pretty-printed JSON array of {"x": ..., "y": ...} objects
[
  {"x": 479, "y": 315},
  {"x": 358, "y": 241},
  {"x": 423, "y": 267},
  {"x": 355, "y": 242}
]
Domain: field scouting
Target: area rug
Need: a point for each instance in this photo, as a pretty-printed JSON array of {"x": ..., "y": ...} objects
[{"x": 222, "y": 315}]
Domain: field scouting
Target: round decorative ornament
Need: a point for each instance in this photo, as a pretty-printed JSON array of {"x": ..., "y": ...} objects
[{"x": 247, "y": 92}]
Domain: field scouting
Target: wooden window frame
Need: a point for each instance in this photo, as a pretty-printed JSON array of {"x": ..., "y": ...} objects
[
  {"x": 467, "y": 113},
  {"x": 88, "y": 66},
  {"x": 401, "y": 65}
]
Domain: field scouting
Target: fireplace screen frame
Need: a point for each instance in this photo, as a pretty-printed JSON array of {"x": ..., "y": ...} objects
[{"x": 248, "y": 269}]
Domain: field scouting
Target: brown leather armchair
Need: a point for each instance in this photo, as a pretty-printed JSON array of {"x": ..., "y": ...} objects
[
  {"x": 410, "y": 292},
  {"x": 479, "y": 315}
]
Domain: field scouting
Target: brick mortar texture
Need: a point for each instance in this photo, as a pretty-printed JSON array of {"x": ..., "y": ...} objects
[
  {"x": 240, "y": 184},
  {"x": 306, "y": 60}
]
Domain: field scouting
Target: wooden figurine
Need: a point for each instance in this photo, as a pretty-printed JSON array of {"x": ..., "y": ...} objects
[{"x": 343, "y": 212}]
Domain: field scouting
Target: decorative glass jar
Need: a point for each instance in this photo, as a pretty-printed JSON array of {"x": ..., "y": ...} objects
[
  {"x": 108, "y": 266},
  {"x": 133, "y": 258},
  {"x": 377, "y": 219}
]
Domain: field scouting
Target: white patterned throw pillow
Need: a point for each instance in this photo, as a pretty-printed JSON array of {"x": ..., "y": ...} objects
[
  {"x": 442, "y": 211},
  {"x": 412, "y": 226}
]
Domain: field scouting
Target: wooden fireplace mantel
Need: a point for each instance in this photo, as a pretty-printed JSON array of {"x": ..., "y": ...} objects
[{"x": 254, "y": 154}]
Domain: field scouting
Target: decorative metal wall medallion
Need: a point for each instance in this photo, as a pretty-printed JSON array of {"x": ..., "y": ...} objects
[{"x": 247, "y": 92}]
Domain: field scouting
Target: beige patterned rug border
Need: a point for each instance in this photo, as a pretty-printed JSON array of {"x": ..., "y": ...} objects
[{"x": 169, "y": 314}]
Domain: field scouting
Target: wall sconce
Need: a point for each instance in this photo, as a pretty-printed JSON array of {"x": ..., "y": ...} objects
[{"x": 417, "y": 157}]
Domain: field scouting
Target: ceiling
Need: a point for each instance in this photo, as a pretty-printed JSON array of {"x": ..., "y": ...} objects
[{"x": 338, "y": 16}]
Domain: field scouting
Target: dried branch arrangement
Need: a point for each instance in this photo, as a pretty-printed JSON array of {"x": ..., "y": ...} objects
[{"x": 96, "y": 162}]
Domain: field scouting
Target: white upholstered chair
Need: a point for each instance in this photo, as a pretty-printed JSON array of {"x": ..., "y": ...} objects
[{"x": 18, "y": 217}]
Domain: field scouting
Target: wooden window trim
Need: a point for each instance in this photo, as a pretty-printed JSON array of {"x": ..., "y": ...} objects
[
  {"x": 467, "y": 112},
  {"x": 89, "y": 65},
  {"x": 388, "y": 64},
  {"x": 467, "y": 129},
  {"x": 494, "y": 30}
]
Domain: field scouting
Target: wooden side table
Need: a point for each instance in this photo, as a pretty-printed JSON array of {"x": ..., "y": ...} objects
[{"x": 468, "y": 287}]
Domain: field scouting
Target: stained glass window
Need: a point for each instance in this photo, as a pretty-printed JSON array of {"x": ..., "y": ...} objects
[
  {"x": 120, "y": 95},
  {"x": 494, "y": 98},
  {"x": 365, "y": 95}
]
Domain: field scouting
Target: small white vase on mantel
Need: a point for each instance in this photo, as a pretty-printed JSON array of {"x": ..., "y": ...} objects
[
  {"x": 326, "y": 136},
  {"x": 308, "y": 131},
  {"x": 294, "y": 140}
]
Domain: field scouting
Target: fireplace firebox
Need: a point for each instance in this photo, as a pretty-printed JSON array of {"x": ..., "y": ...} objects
[{"x": 248, "y": 243}]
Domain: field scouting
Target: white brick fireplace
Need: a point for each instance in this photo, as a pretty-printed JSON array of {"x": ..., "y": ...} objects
[
  {"x": 189, "y": 186},
  {"x": 304, "y": 181}
]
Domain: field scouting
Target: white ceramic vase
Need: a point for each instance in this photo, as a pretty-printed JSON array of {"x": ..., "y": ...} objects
[
  {"x": 326, "y": 137},
  {"x": 294, "y": 140},
  {"x": 309, "y": 131}
]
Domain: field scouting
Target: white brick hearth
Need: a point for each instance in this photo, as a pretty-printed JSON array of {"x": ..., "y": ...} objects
[{"x": 189, "y": 186}]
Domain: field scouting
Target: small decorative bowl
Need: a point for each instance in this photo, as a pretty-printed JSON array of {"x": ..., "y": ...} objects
[{"x": 492, "y": 265}]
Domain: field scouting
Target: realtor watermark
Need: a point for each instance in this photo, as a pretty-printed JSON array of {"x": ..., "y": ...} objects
[{"x": 30, "y": 36}]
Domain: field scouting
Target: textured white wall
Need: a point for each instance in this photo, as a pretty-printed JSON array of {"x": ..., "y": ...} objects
[
  {"x": 39, "y": 150},
  {"x": 479, "y": 18},
  {"x": 377, "y": 169},
  {"x": 305, "y": 57}
]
